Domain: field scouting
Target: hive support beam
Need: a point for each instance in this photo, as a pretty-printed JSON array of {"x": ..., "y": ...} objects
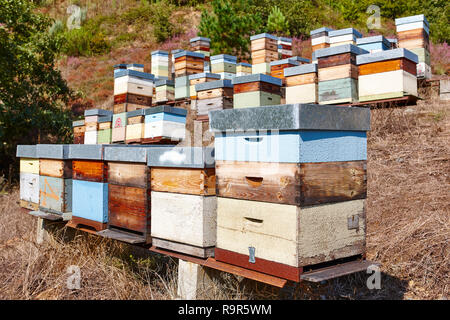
[
  {"x": 194, "y": 281},
  {"x": 44, "y": 231},
  {"x": 47, "y": 229}
]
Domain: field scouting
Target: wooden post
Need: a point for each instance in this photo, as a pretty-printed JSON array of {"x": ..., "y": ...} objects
[
  {"x": 42, "y": 234},
  {"x": 194, "y": 281}
]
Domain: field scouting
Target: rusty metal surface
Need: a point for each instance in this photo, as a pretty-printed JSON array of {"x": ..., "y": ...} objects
[
  {"x": 121, "y": 236},
  {"x": 337, "y": 270},
  {"x": 178, "y": 255},
  {"x": 403, "y": 101}
]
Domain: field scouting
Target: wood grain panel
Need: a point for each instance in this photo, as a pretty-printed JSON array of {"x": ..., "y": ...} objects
[
  {"x": 89, "y": 170},
  {"x": 129, "y": 208},
  {"x": 186, "y": 181},
  {"x": 129, "y": 174},
  {"x": 338, "y": 72},
  {"x": 215, "y": 93},
  {"x": 79, "y": 129},
  {"x": 385, "y": 66},
  {"x": 336, "y": 60},
  {"x": 78, "y": 138},
  {"x": 256, "y": 86},
  {"x": 55, "y": 168},
  {"x": 133, "y": 99},
  {"x": 301, "y": 79}
]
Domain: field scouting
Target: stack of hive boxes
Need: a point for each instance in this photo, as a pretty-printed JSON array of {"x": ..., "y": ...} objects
[
  {"x": 284, "y": 48},
  {"x": 172, "y": 62},
  {"x": 29, "y": 176},
  {"x": 277, "y": 67},
  {"x": 133, "y": 90},
  {"x": 319, "y": 38},
  {"x": 387, "y": 74},
  {"x": 374, "y": 44},
  {"x": 243, "y": 69},
  {"x": 343, "y": 36},
  {"x": 55, "y": 180},
  {"x": 135, "y": 130},
  {"x": 164, "y": 123},
  {"x": 91, "y": 122},
  {"x": 90, "y": 187},
  {"x": 338, "y": 74},
  {"x": 301, "y": 84},
  {"x": 186, "y": 64},
  {"x": 291, "y": 191},
  {"x": 160, "y": 64},
  {"x": 224, "y": 65},
  {"x": 104, "y": 129},
  {"x": 165, "y": 91},
  {"x": 128, "y": 194},
  {"x": 200, "y": 78},
  {"x": 129, "y": 66},
  {"x": 413, "y": 34},
  {"x": 202, "y": 45},
  {"x": 256, "y": 90},
  {"x": 215, "y": 95},
  {"x": 264, "y": 49},
  {"x": 183, "y": 200},
  {"x": 78, "y": 131}
]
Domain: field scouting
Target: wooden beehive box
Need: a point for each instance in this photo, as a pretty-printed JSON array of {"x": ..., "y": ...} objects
[
  {"x": 29, "y": 176},
  {"x": 182, "y": 87},
  {"x": 373, "y": 44},
  {"x": 133, "y": 82},
  {"x": 264, "y": 48},
  {"x": 320, "y": 38},
  {"x": 243, "y": 69},
  {"x": 91, "y": 121},
  {"x": 160, "y": 64},
  {"x": 165, "y": 123},
  {"x": 343, "y": 36},
  {"x": 300, "y": 179},
  {"x": 183, "y": 199},
  {"x": 135, "y": 130},
  {"x": 188, "y": 62},
  {"x": 55, "y": 179},
  {"x": 387, "y": 75},
  {"x": 78, "y": 131},
  {"x": 215, "y": 95},
  {"x": 200, "y": 78},
  {"x": 104, "y": 129},
  {"x": 129, "y": 102},
  {"x": 284, "y": 48},
  {"x": 119, "y": 124},
  {"x": 165, "y": 90},
  {"x": 301, "y": 84},
  {"x": 277, "y": 67},
  {"x": 338, "y": 74},
  {"x": 90, "y": 187},
  {"x": 256, "y": 90}
]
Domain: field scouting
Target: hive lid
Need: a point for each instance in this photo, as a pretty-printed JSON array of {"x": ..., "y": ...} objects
[
  {"x": 204, "y": 75},
  {"x": 300, "y": 59},
  {"x": 97, "y": 112},
  {"x": 175, "y": 51},
  {"x": 412, "y": 19},
  {"x": 291, "y": 117},
  {"x": 128, "y": 65},
  {"x": 127, "y": 153},
  {"x": 224, "y": 57},
  {"x": 244, "y": 64},
  {"x": 387, "y": 55},
  {"x": 166, "y": 109},
  {"x": 164, "y": 82},
  {"x": 52, "y": 151},
  {"x": 160, "y": 52},
  {"x": 181, "y": 157},
  {"x": 26, "y": 151},
  {"x": 257, "y": 77},
  {"x": 200, "y": 39},
  {"x": 323, "y": 29},
  {"x": 78, "y": 123},
  {"x": 263, "y": 35},
  {"x": 133, "y": 73},
  {"x": 138, "y": 112},
  {"x": 373, "y": 39},
  {"x": 90, "y": 151},
  {"x": 331, "y": 51},
  {"x": 302, "y": 69},
  {"x": 285, "y": 61},
  {"x": 284, "y": 39},
  {"x": 103, "y": 119},
  {"x": 224, "y": 83},
  {"x": 341, "y": 32},
  {"x": 189, "y": 53}
]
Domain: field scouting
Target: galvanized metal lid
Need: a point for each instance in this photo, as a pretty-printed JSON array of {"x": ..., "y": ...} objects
[
  {"x": 341, "y": 32},
  {"x": 189, "y": 53},
  {"x": 52, "y": 151},
  {"x": 257, "y": 77},
  {"x": 204, "y": 75},
  {"x": 263, "y": 35},
  {"x": 97, "y": 112},
  {"x": 26, "y": 151},
  {"x": 345, "y": 48},
  {"x": 181, "y": 157},
  {"x": 224, "y": 83},
  {"x": 302, "y": 69},
  {"x": 412, "y": 19},
  {"x": 387, "y": 55}
]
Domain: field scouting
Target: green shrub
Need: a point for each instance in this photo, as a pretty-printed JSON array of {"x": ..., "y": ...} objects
[
  {"x": 277, "y": 23},
  {"x": 85, "y": 42}
]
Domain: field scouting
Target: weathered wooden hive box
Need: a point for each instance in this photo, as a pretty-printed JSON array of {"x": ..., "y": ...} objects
[
  {"x": 373, "y": 44},
  {"x": 55, "y": 179},
  {"x": 91, "y": 123},
  {"x": 200, "y": 78},
  {"x": 119, "y": 125},
  {"x": 90, "y": 186},
  {"x": 264, "y": 48},
  {"x": 387, "y": 74},
  {"x": 414, "y": 34},
  {"x": 243, "y": 69},
  {"x": 215, "y": 95},
  {"x": 165, "y": 90},
  {"x": 338, "y": 74},
  {"x": 160, "y": 64},
  {"x": 104, "y": 129},
  {"x": 165, "y": 122},
  {"x": 29, "y": 176},
  {"x": 183, "y": 198},
  {"x": 188, "y": 62},
  {"x": 301, "y": 84},
  {"x": 78, "y": 131},
  {"x": 224, "y": 65},
  {"x": 284, "y": 48},
  {"x": 277, "y": 67},
  {"x": 343, "y": 36},
  {"x": 202, "y": 45},
  {"x": 132, "y": 90},
  {"x": 135, "y": 131},
  {"x": 291, "y": 184},
  {"x": 128, "y": 192},
  {"x": 256, "y": 90},
  {"x": 182, "y": 87},
  {"x": 320, "y": 38}
]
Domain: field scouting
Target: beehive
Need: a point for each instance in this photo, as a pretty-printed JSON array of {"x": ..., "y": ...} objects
[
  {"x": 160, "y": 64},
  {"x": 284, "y": 48},
  {"x": 243, "y": 69},
  {"x": 320, "y": 38},
  {"x": 104, "y": 129},
  {"x": 373, "y": 44},
  {"x": 165, "y": 123},
  {"x": 132, "y": 90},
  {"x": 135, "y": 130},
  {"x": 343, "y": 36},
  {"x": 215, "y": 95},
  {"x": 78, "y": 131},
  {"x": 183, "y": 199},
  {"x": 291, "y": 184},
  {"x": 256, "y": 90},
  {"x": 200, "y": 78},
  {"x": 29, "y": 176},
  {"x": 301, "y": 84},
  {"x": 165, "y": 90},
  {"x": 188, "y": 62},
  {"x": 224, "y": 65}
]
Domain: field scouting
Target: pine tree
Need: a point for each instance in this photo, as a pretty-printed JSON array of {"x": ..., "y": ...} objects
[{"x": 277, "y": 23}]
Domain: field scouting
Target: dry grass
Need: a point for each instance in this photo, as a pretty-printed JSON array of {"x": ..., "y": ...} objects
[{"x": 408, "y": 224}]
